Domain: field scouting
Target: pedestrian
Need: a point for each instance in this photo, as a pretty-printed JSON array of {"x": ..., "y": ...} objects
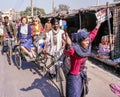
[
  {"x": 47, "y": 26},
  {"x": 78, "y": 52}
]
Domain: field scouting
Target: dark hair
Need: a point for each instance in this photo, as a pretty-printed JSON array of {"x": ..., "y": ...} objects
[
  {"x": 54, "y": 20},
  {"x": 25, "y": 18},
  {"x": 74, "y": 36},
  {"x": 6, "y": 17},
  {"x": 48, "y": 19}
]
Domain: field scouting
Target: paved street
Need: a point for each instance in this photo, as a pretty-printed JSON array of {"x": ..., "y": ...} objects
[
  {"x": 24, "y": 83},
  {"x": 99, "y": 81}
]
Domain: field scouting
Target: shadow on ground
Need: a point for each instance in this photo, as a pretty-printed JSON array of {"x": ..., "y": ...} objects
[{"x": 46, "y": 88}]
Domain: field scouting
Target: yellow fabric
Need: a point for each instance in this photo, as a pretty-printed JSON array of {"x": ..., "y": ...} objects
[{"x": 35, "y": 30}]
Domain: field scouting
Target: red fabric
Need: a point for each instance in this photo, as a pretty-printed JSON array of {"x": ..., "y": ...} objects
[
  {"x": 6, "y": 35},
  {"x": 115, "y": 89},
  {"x": 93, "y": 34},
  {"x": 75, "y": 60}
]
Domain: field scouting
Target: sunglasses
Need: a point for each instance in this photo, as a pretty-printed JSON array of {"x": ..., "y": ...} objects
[{"x": 35, "y": 21}]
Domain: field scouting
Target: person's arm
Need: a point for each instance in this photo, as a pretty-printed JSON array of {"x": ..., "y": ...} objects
[
  {"x": 100, "y": 48},
  {"x": 4, "y": 30},
  {"x": 32, "y": 30},
  {"x": 18, "y": 35},
  {"x": 63, "y": 44},
  {"x": 14, "y": 30},
  {"x": 29, "y": 32},
  {"x": 18, "y": 32},
  {"x": 45, "y": 46},
  {"x": 41, "y": 28},
  {"x": 69, "y": 50},
  {"x": 63, "y": 41},
  {"x": 46, "y": 41},
  {"x": 93, "y": 33},
  {"x": 67, "y": 39}
]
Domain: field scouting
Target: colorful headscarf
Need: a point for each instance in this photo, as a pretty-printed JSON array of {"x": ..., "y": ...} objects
[{"x": 80, "y": 36}]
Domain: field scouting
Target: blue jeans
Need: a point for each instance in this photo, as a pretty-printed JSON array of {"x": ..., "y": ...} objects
[{"x": 74, "y": 85}]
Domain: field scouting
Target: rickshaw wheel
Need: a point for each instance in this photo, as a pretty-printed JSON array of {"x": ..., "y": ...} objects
[{"x": 18, "y": 61}]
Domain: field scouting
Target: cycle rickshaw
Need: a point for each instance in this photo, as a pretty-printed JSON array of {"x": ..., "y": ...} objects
[
  {"x": 19, "y": 55},
  {"x": 42, "y": 58}
]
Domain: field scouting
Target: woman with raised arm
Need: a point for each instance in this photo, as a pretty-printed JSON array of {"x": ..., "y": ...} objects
[{"x": 78, "y": 52}]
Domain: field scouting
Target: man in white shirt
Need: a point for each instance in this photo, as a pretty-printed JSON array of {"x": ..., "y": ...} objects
[{"x": 55, "y": 40}]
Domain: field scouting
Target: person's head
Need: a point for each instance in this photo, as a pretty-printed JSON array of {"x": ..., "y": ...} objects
[
  {"x": 83, "y": 38},
  {"x": 104, "y": 40},
  {"x": 48, "y": 20},
  {"x": 24, "y": 20},
  {"x": 6, "y": 19},
  {"x": 73, "y": 37},
  {"x": 55, "y": 23},
  {"x": 36, "y": 20}
]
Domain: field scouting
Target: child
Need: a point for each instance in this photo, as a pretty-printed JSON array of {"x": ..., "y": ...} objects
[{"x": 78, "y": 52}]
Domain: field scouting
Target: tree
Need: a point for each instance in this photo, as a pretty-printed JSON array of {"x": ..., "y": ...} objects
[
  {"x": 63, "y": 7},
  {"x": 36, "y": 11}
]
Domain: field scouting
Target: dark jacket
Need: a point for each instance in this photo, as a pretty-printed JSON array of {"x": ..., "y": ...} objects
[
  {"x": 10, "y": 29},
  {"x": 29, "y": 32}
]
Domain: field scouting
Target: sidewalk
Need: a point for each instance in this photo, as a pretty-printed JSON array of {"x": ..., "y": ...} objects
[{"x": 99, "y": 81}]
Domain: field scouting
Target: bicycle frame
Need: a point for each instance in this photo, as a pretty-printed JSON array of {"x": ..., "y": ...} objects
[{"x": 59, "y": 72}]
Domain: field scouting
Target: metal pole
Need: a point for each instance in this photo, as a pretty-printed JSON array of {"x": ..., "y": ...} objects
[
  {"x": 98, "y": 2},
  {"x": 36, "y": 11},
  {"x": 31, "y": 2},
  {"x": 52, "y": 5},
  {"x": 109, "y": 27},
  {"x": 79, "y": 20}
]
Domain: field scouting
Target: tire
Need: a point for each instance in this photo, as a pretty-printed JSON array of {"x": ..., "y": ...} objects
[{"x": 18, "y": 61}]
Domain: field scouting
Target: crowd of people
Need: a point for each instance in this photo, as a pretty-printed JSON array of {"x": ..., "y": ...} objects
[{"x": 51, "y": 38}]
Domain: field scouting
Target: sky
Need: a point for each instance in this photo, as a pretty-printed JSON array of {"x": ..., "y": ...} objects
[{"x": 19, "y": 5}]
